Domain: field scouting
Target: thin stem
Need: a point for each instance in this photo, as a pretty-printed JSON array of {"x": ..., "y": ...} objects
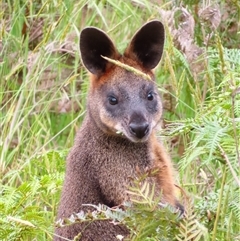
[
  {"x": 229, "y": 165},
  {"x": 219, "y": 204}
]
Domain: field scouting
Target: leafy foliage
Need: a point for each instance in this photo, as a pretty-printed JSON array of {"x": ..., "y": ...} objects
[
  {"x": 145, "y": 216},
  {"x": 27, "y": 210},
  {"x": 214, "y": 133}
]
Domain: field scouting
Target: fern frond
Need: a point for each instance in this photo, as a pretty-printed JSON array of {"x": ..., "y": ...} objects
[
  {"x": 190, "y": 228},
  {"x": 143, "y": 194}
]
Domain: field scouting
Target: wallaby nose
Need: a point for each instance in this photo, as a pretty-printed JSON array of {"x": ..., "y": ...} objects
[{"x": 139, "y": 130}]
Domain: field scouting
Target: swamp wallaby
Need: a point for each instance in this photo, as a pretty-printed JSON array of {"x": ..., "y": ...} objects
[{"x": 117, "y": 138}]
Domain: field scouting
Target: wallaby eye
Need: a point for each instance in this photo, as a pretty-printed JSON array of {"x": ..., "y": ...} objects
[
  {"x": 150, "y": 96},
  {"x": 112, "y": 100}
]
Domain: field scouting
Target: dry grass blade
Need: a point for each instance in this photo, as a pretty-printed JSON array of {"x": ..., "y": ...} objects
[
  {"x": 127, "y": 67},
  {"x": 20, "y": 221}
]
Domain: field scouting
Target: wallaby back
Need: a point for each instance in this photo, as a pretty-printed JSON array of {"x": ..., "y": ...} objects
[{"x": 116, "y": 140}]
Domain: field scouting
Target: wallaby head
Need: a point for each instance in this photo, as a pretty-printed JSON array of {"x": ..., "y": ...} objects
[{"x": 120, "y": 101}]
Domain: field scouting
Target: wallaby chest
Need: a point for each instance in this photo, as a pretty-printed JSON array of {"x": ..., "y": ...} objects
[{"x": 109, "y": 163}]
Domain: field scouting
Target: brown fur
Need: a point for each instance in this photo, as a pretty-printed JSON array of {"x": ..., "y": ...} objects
[{"x": 102, "y": 163}]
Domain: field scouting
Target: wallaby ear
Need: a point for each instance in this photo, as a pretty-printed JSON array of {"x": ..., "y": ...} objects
[
  {"x": 94, "y": 43},
  {"x": 147, "y": 44}
]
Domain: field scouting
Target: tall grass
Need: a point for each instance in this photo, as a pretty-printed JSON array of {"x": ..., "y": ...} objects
[{"x": 43, "y": 88}]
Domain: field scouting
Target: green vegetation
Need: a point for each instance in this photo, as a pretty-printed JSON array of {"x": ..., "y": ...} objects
[{"x": 43, "y": 88}]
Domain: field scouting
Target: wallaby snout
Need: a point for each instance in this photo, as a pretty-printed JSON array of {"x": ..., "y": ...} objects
[
  {"x": 139, "y": 129},
  {"x": 138, "y": 125}
]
